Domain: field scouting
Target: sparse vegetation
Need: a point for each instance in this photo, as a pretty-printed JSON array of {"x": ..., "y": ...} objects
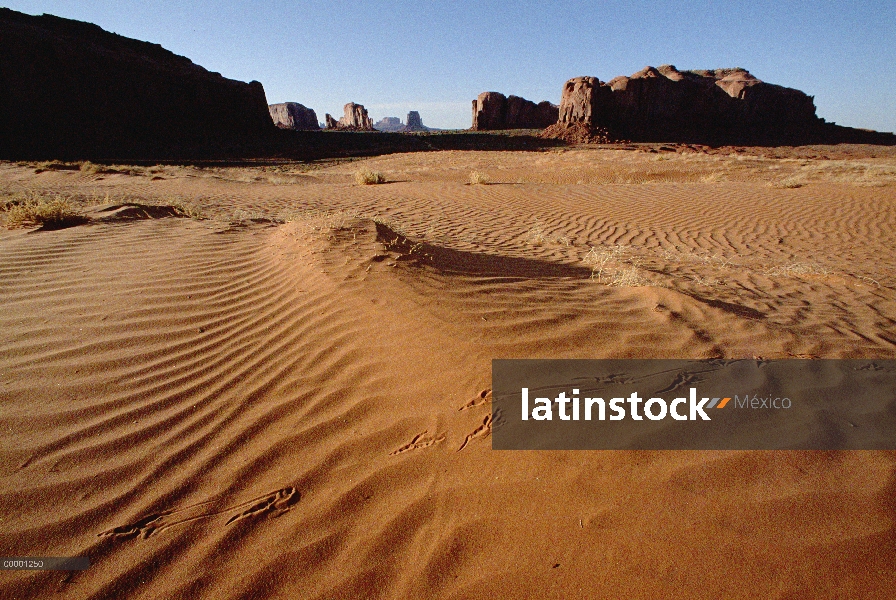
[
  {"x": 35, "y": 209},
  {"x": 368, "y": 177},
  {"x": 798, "y": 269},
  {"x": 630, "y": 277},
  {"x": 88, "y": 168},
  {"x": 538, "y": 235},
  {"x": 187, "y": 209},
  {"x": 54, "y": 165},
  {"x": 478, "y": 178},
  {"x": 788, "y": 183},
  {"x": 597, "y": 259}
]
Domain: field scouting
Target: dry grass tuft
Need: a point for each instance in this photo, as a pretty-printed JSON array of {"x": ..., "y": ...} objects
[
  {"x": 597, "y": 259},
  {"x": 187, "y": 209},
  {"x": 368, "y": 177},
  {"x": 538, "y": 236},
  {"x": 798, "y": 269},
  {"x": 478, "y": 178},
  {"x": 54, "y": 165},
  {"x": 630, "y": 277},
  {"x": 36, "y": 209},
  {"x": 788, "y": 183}
]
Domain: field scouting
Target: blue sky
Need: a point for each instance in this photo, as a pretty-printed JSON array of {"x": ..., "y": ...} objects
[{"x": 395, "y": 55}]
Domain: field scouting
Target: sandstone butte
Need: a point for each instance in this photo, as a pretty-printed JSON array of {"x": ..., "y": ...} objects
[
  {"x": 720, "y": 106},
  {"x": 292, "y": 115},
  {"x": 355, "y": 118}
]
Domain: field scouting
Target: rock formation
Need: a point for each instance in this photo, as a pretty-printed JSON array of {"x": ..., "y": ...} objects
[
  {"x": 73, "y": 90},
  {"x": 493, "y": 110},
  {"x": 388, "y": 124},
  {"x": 414, "y": 122},
  {"x": 330, "y": 122},
  {"x": 355, "y": 118},
  {"x": 722, "y": 106},
  {"x": 292, "y": 115}
]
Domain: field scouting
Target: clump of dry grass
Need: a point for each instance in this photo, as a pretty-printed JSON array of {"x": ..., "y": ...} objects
[
  {"x": 36, "y": 209},
  {"x": 861, "y": 173},
  {"x": 788, "y": 183},
  {"x": 713, "y": 177},
  {"x": 597, "y": 259},
  {"x": 54, "y": 165},
  {"x": 630, "y": 277},
  {"x": 478, "y": 178},
  {"x": 187, "y": 209},
  {"x": 312, "y": 221},
  {"x": 88, "y": 168},
  {"x": 368, "y": 177},
  {"x": 538, "y": 236},
  {"x": 702, "y": 257},
  {"x": 798, "y": 269}
]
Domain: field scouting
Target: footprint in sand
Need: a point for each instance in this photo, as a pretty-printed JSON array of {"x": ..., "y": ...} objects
[
  {"x": 274, "y": 504},
  {"x": 483, "y": 430},
  {"x": 421, "y": 440},
  {"x": 483, "y": 397}
]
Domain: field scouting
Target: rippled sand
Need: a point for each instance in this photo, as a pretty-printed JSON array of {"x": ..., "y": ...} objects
[{"x": 290, "y": 396}]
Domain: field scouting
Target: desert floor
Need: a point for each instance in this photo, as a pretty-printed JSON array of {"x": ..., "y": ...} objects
[{"x": 270, "y": 381}]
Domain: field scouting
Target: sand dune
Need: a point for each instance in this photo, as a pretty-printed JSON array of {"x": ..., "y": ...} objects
[{"x": 289, "y": 397}]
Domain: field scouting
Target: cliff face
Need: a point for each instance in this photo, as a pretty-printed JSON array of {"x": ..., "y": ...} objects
[
  {"x": 493, "y": 110},
  {"x": 71, "y": 89}
]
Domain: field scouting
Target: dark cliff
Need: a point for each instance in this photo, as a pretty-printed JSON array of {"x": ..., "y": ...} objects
[{"x": 73, "y": 90}]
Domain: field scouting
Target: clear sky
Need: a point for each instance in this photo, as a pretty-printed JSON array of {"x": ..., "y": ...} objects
[{"x": 436, "y": 56}]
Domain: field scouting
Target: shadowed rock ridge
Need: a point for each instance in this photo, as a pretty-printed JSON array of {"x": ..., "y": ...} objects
[{"x": 71, "y": 89}]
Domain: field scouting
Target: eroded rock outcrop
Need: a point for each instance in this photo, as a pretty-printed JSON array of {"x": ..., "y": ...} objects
[
  {"x": 493, "y": 110},
  {"x": 292, "y": 115},
  {"x": 71, "y": 89},
  {"x": 355, "y": 118},
  {"x": 722, "y": 106}
]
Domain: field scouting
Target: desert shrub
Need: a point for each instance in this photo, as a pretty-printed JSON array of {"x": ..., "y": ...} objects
[{"x": 368, "y": 177}]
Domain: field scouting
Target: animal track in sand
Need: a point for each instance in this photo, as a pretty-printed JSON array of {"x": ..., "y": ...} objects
[
  {"x": 274, "y": 503},
  {"x": 483, "y": 430},
  {"x": 421, "y": 440},
  {"x": 483, "y": 397}
]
